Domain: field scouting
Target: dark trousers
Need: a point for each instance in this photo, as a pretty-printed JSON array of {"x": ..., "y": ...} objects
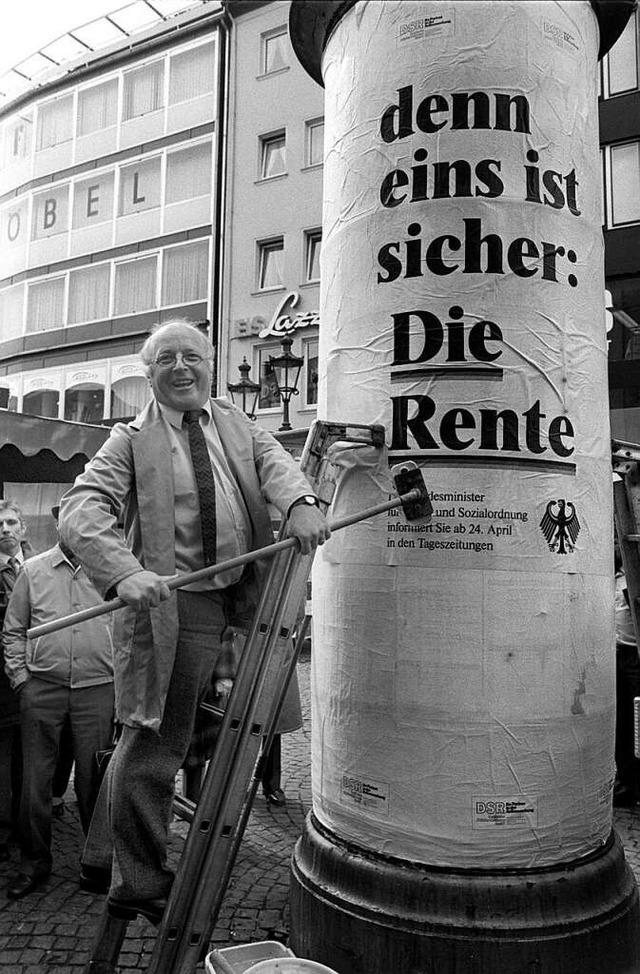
[
  {"x": 627, "y": 687},
  {"x": 10, "y": 782},
  {"x": 144, "y": 765},
  {"x": 44, "y": 709}
]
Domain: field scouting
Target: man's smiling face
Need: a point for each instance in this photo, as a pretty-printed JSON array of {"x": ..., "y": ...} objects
[{"x": 175, "y": 382}]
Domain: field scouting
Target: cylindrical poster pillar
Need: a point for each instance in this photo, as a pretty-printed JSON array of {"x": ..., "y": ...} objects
[{"x": 463, "y": 670}]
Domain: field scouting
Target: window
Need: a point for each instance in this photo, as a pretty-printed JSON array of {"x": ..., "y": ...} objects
[
  {"x": 272, "y": 155},
  {"x": 11, "y": 311},
  {"x": 84, "y": 403},
  {"x": 45, "y": 305},
  {"x": 192, "y": 73},
  {"x": 314, "y": 143},
  {"x": 55, "y": 123},
  {"x": 50, "y": 212},
  {"x": 625, "y": 183},
  {"x": 270, "y": 264},
  {"x": 622, "y": 60},
  {"x": 93, "y": 200},
  {"x": 89, "y": 293},
  {"x": 188, "y": 173},
  {"x": 185, "y": 273},
  {"x": 140, "y": 186},
  {"x": 44, "y": 402},
  {"x": 269, "y": 397},
  {"x": 313, "y": 245},
  {"x": 128, "y": 396},
  {"x": 275, "y": 50},
  {"x": 135, "y": 287},
  {"x": 143, "y": 90},
  {"x": 311, "y": 372},
  {"x": 98, "y": 107}
]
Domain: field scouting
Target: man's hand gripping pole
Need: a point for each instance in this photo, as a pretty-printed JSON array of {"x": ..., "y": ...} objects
[{"x": 413, "y": 498}]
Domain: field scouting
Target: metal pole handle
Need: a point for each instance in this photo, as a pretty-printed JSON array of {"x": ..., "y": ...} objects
[{"x": 181, "y": 580}]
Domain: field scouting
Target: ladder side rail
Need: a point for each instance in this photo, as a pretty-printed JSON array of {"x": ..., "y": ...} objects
[{"x": 209, "y": 849}]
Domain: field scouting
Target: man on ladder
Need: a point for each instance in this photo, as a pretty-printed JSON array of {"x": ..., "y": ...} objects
[{"x": 189, "y": 479}]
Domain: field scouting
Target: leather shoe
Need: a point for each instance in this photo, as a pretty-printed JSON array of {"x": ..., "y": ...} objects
[
  {"x": 276, "y": 797},
  {"x": 94, "y": 879},
  {"x": 152, "y": 910},
  {"x": 23, "y": 885}
]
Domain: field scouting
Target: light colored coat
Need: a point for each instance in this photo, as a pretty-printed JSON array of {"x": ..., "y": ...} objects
[{"x": 129, "y": 483}]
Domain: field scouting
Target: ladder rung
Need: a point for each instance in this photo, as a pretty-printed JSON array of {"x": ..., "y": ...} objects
[{"x": 632, "y": 537}]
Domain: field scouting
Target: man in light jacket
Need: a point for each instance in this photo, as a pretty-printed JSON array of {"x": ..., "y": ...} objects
[
  {"x": 59, "y": 677},
  {"x": 146, "y": 479}
]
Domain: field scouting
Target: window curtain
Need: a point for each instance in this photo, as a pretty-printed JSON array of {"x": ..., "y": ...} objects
[
  {"x": 192, "y": 74},
  {"x": 89, "y": 294},
  {"x": 55, "y": 123},
  {"x": 11, "y": 311},
  {"x": 143, "y": 90},
  {"x": 271, "y": 265},
  {"x": 45, "y": 305},
  {"x": 189, "y": 173},
  {"x": 98, "y": 107},
  {"x": 185, "y": 273},
  {"x": 135, "y": 286},
  {"x": 128, "y": 396},
  {"x": 625, "y": 178}
]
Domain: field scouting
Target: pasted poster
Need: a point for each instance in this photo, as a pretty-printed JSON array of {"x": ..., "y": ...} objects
[{"x": 466, "y": 665}]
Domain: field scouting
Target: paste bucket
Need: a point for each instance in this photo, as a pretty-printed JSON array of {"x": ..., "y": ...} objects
[{"x": 290, "y": 965}]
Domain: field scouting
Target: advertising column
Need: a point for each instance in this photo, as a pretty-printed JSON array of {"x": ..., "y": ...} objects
[{"x": 463, "y": 670}]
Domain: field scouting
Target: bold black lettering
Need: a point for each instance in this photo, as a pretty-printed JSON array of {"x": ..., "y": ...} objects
[
  {"x": 390, "y": 182},
  {"x": 572, "y": 191},
  {"x": 558, "y": 427},
  {"x": 484, "y": 172},
  {"x": 442, "y": 183},
  {"x": 503, "y": 113},
  {"x": 481, "y": 333},
  {"x": 433, "y": 337},
  {"x": 460, "y": 110},
  {"x": 452, "y": 421},
  {"x": 520, "y": 248},
  {"x": 434, "y": 260},
  {"x": 389, "y": 263},
  {"x": 416, "y": 425},
  {"x": 404, "y": 112},
  {"x": 13, "y": 226},
  {"x": 489, "y": 429},
  {"x": 552, "y": 182},
  {"x": 533, "y": 415},
  {"x": 472, "y": 250},
  {"x": 429, "y": 106}
]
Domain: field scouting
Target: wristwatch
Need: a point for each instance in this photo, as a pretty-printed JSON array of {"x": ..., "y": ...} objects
[{"x": 305, "y": 499}]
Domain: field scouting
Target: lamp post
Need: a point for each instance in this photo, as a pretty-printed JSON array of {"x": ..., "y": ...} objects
[
  {"x": 246, "y": 390},
  {"x": 286, "y": 369}
]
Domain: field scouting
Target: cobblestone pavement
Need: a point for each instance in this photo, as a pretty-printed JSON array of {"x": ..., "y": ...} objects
[{"x": 53, "y": 928}]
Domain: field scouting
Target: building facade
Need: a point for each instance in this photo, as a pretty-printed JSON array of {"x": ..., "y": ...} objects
[
  {"x": 171, "y": 166},
  {"x": 124, "y": 202},
  {"x": 620, "y": 145}
]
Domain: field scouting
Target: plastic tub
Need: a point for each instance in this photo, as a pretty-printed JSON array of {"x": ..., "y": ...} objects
[
  {"x": 238, "y": 959},
  {"x": 290, "y": 965}
]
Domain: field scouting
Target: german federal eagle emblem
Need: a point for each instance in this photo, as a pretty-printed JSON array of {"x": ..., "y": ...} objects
[{"x": 560, "y": 526}]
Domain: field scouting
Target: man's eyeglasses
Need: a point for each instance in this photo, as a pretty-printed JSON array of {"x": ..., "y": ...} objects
[{"x": 167, "y": 360}]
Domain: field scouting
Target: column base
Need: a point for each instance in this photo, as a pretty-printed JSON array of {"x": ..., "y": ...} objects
[{"x": 360, "y": 913}]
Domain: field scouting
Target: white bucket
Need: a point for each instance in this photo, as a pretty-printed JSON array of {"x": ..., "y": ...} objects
[{"x": 290, "y": 965}]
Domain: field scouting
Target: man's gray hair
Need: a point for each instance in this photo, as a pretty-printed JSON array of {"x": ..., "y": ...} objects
[
  {"x": 7, "y": 505},
  {"x": 147, "y": 352}
]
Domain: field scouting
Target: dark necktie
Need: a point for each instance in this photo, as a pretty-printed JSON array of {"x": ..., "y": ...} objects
[
  {"x": 205, "y": 483},
  {"x": 14, "y": 565}
]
